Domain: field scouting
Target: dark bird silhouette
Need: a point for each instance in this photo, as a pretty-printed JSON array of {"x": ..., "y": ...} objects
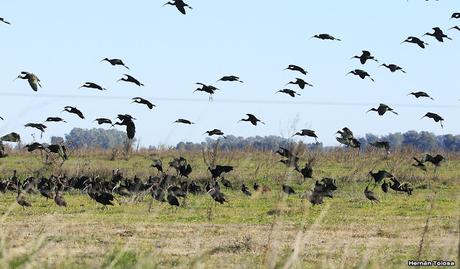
[
  {"x": 381, "y": 145},
  {"x": 455, "y": 15},
  {"x": 297, "y": 68},
  {"x": 300, "y": 82},
  {"x": 370, "y": 195},
  {"x": 325, "y": 37},
  {"x": 384, "y": 186},
  {"x": 101, "y": 121},
  {"x": 393, "y": 67},
  {"x": 38, "y": 126},
  {"x": 218, "y": 170},
  {"x": 288, "y": 189},
  {"x": 92, "y": 85},
  {"x": 435, "y": 117},
  {"x": 286, "y": 153},
  {"x": 11, "y": 137},
  {"x": 21, "y": 199},
  {"x": 289, "y": 92},
  {"x": 215, "y": 132},
  {"x": 230, "y": 78},
  {"x": 158, "y": 164},
  {"x": 245, "y": 190},
  {"x": 180, "y": 5},
  {"x": 307, "y": 171},
  {"x": 346, "y": 138},
  {"x": 382, "y": 109},
  {"x": 416, "y": 40},
  {"x": 130, "y": 79},
  {"x": 172, "y": 200},
  {"x": 307, "y": 132},
  {"x": 207, "y": 89},
  {"x": 127, "y": 120},
  {"x": 101, "y": 197},
  {"x": 54, "y": 119},
  {"x": 361, "y": 73},
  {"x": 436, "y": 160},
  {"x": 438, "y": 34},
  {"x": 34, "y": 146},
  {"x": 252, "y": 119},
  {"x": 419, "y": 164},
  {"x": 58, "y": 149},
  {"x": 421, "y": 94},
  {"x": 59, "y": 200},
  {"x": 364, "y": 57},
  {"x": 33, "y": 80},
  {"x": 184, "y": 121},
  {"x": 217, "y": 195},
  {"x": 256, "y": 186},
  {"x": 4, "y": 21},
  {"x": 74, "y": 110},
  {"x": 380, "y": 175},
  {"x": 455, "y": 27},
  {"x": 143, "y": 101},
  {"x": 115, "y": 62}
]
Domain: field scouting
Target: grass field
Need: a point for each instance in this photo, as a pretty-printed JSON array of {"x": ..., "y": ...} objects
[{"x": 269, "y": 230}]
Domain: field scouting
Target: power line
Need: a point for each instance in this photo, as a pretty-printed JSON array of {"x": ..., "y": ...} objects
[{"x": 217, "y": 100}]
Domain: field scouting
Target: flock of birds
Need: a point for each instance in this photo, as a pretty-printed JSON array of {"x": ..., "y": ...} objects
[{"x": 165, "y": 187}]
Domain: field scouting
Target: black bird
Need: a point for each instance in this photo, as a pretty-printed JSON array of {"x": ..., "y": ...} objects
[
  {"x": 347, "y": 138},
  {"x": 172, "y": 200},
  {"x": 455, "y": 15},
  {"x": 34, "y": 146},
  {"x": 215, "y": 132},
  {"x": 381, "y": 144},
  {"x": 180, "y": 5},
  {"x": 380, "y": 175},
  {"x": 438, "y": 34},
  {"x": 103, "y": 198},
  {"x": 366, "y": 55},
  {"x": 33, "y": 80},
  {"x": 54, "y": 119},
  {"x": 455, "y": 27},
  {"x": 361, "y": 73},
  {"x": 127, "y": 120},
  {"x": 230, "y": 78},
  {"x": 74, "y": 110},
  {"x": 21, "y": 199},
  {"x": 11, "y": 137},
  {"x": 158, "y": 164},
  {"x": 38, "y": 126},
  {"x": 384, "y": 186},
  {"x": 307, "y": 171},
  {"x": 421, "y": 94},
  {"x": 300, "y": 82},
  {"x": 59, "y": 149},
  {"x": 325, "y": 37},
  {"x": 218, "y": 170},
  {"x": 297, "y": 68},
  {"x": 245, "y": 190},
  {"x": 252, "y": 119},
  {"x": 393, "y": 67},
  {"x": 370, "y": 195},
  {"x": 419, "y": 164},
  {"x": 382, "y": 109},
  {"x": 101, "y": 121},
  {"x": 288, "y": 189},
  {"x": 256, "y": 186},
  {"x": 131, "y": 79},
  {"x": 416, "y": 40},
  {"x": 143, "y": 101},
  {"x": 206, "y": 88},
  {"x": 59, "y": 200},
  {"x": 92, "y": 85},
  {"x": 289, "y": 92},
  {"x": 184, "y": 121},
  {"x": 286, "y": 153},
  {"x": 435, "y": 117},
  {"x": 436, "y": 160},
  {"x": 227, "y": 183},
  {"x": 217, "y": 195},
  {"x": 307, "y": 132},
  {"x": 115, "y": 62},
  {"x": 4, "y": 21}
]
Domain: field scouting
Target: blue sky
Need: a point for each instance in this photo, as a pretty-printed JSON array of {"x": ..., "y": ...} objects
[{"x": 63, "y": 43}]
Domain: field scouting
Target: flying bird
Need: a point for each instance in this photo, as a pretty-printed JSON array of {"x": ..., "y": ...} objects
[
  {"x": 92, "y": 85},
  {"x": 143, "y": 101},
  {"x": 455, "y": 28},
  {"x": 101, "y": 121},
  {"x": 130, "y": 79},
  {"x": 127, "y": 120},
  {"x": 252, "y": 119},
  {"x": 230, "y": 78},
  {"x": 325, "y": 37},
  {"x": 38, "y": 126},
  {"x": 435, "y": 117},
  {"x": 289, "y": 92},
  {"x": 416, "y": 40},
  {"x": 393, "y": 67},
  {"x": 184, "y": 121},
  {"x": 54, "y": 119},
  {"x": 215, "y": 132},
  {"x": 380, "y": 175},
  {"x": 438, "y": 34},
  {"x": 307, "y": 132},
  {"x": 33, "y": 80},
  {"x": 366, "y": 55},
  {"x": 297, "y": 68},
  {"x": 421, "y": 94},
  {"x": 11, "y": 137},
  {"x": 74, "y": 110},
  {"x": 361, "y": 73},
  {"x": 180, "y": 5},
  {"x": 206, "y": 88},
  {"x": 419, "y": 164},
  {"x": 382, "y": 109},
  {"x": 300, "y": 82},
  {"x": 115, "y": 62},
  {"x": 455, "y": 15}
]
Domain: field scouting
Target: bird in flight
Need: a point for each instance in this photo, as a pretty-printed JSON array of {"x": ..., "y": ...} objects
[
  {"x": 230, "y": 78},
  {"x": 180, "y": 5},
  {"x": 4, "y": 21},
  {"x": 455, "y": 27},
  {"x": 455, "y": 15},
  {"x": 393, "y": 67},
  {"x": 288, "y": 92},
  {"x": 416, "y": 40},
  {"x": 127, "y": 120},
  {"x": 382, "y": 109},
  {"x": 206, "y": 88},
  {"x": 74, "y": 110},
  {"x": 307, "y": 132},
  {"x": 215, "y": 132},
  {"x": 366, "y": 55},
  {"x": 115, "y": 62},
  {"x": 297, "y": 68},
  {"x": 143, "y": 101},
  {"x": 435, "y": 117},
  {"x": 54, "y": 119},
  {"x": 325, "y": 37},
  {"x": 421, "y": 94},
  {"x": 101, "y": 121},
  {"x": 300, "y": 82},
  {"x": 33, "y": 80},
  {"x": 361, "y": 73},
  {"x": 438, "y": 34},
  {"x": 130, "y": 79},
  {"x": 252, "y": 119},
  {"x": 184, "y": 121},
  {"x": 92, "y": 85}
]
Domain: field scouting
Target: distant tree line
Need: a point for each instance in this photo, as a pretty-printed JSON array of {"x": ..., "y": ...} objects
[{"x": 92, "y": 138}]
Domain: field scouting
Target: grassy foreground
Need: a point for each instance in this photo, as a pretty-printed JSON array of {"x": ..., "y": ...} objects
[{"x": 267, "y": 230}]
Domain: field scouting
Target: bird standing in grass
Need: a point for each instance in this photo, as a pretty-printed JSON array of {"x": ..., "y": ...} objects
[{"x": 370, "y": 195}]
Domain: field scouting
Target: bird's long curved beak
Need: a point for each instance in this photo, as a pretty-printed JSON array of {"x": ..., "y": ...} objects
[
  {"x": 404, "y": 41},
  {"x": 347, "y": 73},
  {"x": 16, "y": 78}
]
